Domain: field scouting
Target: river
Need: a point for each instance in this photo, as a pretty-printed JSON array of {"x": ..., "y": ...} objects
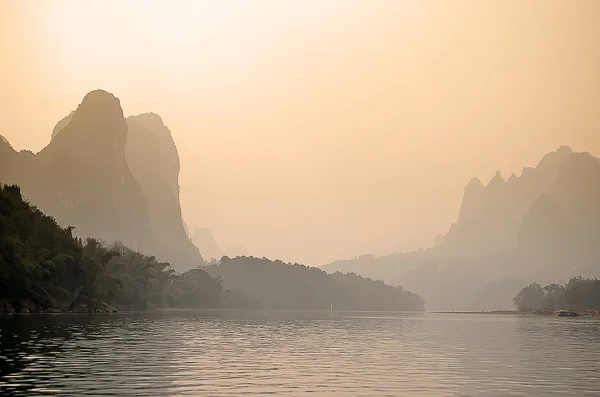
[{"x": 231, "y": 353}]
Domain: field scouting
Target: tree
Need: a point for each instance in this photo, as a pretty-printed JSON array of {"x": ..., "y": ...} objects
[
  {"x": 530, "y": 298},
  {"x": 583, "y": 293},
  {"x": 554, "y": 297}
]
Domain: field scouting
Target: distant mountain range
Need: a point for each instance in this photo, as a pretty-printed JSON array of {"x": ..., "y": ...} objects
[
  {"x": 109, "y": 177},
  {"x": 116, "y": 178},
  {"x": 543, "y": 225},
  {"x": 560, "y": 194}
]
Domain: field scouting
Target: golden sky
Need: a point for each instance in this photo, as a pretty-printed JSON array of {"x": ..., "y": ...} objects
[{"x": 317, "y": 130}]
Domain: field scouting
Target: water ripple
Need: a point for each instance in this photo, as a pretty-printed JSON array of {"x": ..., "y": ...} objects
[{"x": 291, "y": 354}]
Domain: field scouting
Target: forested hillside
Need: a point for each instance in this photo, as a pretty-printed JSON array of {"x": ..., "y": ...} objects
[
  {"x": 262, "y": 283},
  {"x": 43, "y": 267}
]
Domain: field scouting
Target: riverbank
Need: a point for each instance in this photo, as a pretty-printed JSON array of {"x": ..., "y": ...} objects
[
  {"x": 587, "y": 313},
  {"x": 481, "y": 312},
  {"x": 27, "y": 307}
]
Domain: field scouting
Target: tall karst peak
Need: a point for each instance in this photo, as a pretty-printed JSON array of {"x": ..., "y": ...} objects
[
  {"x": 95, "y": 129},
  {"x": 109, "y": 177},
  {"x": 552, "y": 161},
  {"x": 149, "y": 136},
  {"x": 100, "y": 103},
  {"x": 154, "y": 162},
  {"x": 497, "y": 180},
  {"x": 100, "y": 109},
  {"x": 575, "y": 214},
  {"x": 501, "y": 206},
  {"x": 150, "y": 120},
  {"x": 474, "y": 183}
]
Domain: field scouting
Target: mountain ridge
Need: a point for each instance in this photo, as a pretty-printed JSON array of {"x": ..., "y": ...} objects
[
  {"x": 490, "y": 215},
  {"x": 83, "y": 178},
  {"x": 543, "y": 225}
]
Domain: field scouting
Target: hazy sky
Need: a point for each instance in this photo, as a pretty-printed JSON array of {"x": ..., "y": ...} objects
[{"x": 317, "y": 130}]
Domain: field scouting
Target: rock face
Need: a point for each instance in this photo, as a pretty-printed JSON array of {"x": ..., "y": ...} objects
[
  {"x": 543, "y": 225},
  {"x": 154, "y": 162},
  {"x": 84, "y": 178},
  {"x": 209, "y": 248},
  {"x": 62, "y": 124},
  {"x": 490, "y": 216},
  {"x": 565, "y": 224}
]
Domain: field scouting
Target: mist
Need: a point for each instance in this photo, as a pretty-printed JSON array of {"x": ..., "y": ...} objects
[
  {"x": 383, "y": 198},
  {"x": 321, "y": 132}
]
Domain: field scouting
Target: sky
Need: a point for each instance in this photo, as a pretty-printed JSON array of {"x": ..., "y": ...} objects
[{"x": 312, "y": 131}]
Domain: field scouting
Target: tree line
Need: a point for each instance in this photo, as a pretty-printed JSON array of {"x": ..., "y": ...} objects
[
  {"x": 44, "y": 267},
  {"x": 579, "y": 293},
  {"x": 265, "y": 284}
]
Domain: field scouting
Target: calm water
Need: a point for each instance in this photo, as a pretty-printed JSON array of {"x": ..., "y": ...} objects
[{"x": 289, "y": 354}]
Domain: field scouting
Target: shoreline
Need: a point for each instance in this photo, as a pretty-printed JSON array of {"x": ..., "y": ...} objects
[
  {"x": 211, "y": 309},
  {"x": 580, "y": 313},
  {"x": 507, "y": 312}
]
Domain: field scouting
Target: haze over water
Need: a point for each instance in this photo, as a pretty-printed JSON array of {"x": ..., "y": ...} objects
[
  {"x": 234, "y": 353},
  {"x": 317, "y": 131},
  {"x": 172, "y": 173}
]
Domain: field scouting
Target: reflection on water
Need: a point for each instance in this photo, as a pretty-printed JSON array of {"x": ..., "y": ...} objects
[{"x": 292, "y": 353}]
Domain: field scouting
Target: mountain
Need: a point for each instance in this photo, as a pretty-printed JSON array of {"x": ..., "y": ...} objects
[
  {"x": 83, "y": 178},
  {"x": 154, "y": 162},
  {"x": 542, "y": 226},
  {"x": 490, "y": 216},
  {"x": 564, "y": 225},
  {"x": 204, "y": 239},
  {"x": 265, "y": 284}
]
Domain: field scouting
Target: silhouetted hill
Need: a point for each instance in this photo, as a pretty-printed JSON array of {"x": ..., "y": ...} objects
[
  {"x": 83, "y": 178},
  {"x": 154, "y": 162},
  {"x": 544, "y": 225},
  {"x": 490, "y": 216},
  {"x": 564, "y": 225},
  {"x": 204, "y": 239},
  {"x": 261, "y": 283}
]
